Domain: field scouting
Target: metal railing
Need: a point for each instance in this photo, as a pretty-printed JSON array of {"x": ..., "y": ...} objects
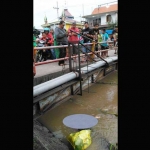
[
  {"x": 62, "y": 46},
  {"x": 66, "y": 46}
]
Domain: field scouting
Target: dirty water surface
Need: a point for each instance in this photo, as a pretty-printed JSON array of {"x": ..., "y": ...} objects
[{"x": 101, "y": 102}]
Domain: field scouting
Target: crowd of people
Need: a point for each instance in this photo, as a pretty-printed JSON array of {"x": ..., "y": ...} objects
[{"x": 74, "y": 35}]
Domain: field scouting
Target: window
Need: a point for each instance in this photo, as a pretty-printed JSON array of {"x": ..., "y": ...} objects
[
  {"x": 94, "y": 22},
  {"x": 108, "y": 18},
  {"x": 99, "y": 21}
]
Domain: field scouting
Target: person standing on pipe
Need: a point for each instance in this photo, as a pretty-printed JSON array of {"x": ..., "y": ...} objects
[{"x": 61, "y": 38}]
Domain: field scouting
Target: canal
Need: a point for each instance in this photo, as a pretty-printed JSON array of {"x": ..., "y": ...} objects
[{"x": 100, "y": 101}]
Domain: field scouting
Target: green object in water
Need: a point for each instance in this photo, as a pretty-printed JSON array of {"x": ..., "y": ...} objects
[{"x": 80, "y": 140}]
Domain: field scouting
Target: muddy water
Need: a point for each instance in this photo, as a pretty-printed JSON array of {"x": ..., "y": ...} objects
[{"x": 100, "y": 102}]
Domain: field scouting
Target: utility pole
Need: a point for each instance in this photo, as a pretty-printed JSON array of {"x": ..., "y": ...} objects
[
  {"x": 83, "y": 9},
  {"x": 57, "y": 10},
  {"x": 80, "y": 18}
]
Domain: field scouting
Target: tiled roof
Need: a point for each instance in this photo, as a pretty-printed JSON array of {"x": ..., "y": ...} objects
[{"x": 104, "y": 9}]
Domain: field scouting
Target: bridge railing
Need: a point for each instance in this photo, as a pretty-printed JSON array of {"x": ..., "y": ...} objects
[{"x": 66, "y": 46}]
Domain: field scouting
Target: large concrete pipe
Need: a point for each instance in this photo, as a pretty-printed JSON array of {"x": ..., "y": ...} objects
[
  {"x": 48, "y": 82},
  {"x": 39, "y": 89},
  {"x": 97, "y": 64},
  {"x": 54, "y": 83}
]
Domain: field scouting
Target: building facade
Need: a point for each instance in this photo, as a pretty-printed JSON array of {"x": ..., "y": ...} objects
[{"x": 103, "y": 15}]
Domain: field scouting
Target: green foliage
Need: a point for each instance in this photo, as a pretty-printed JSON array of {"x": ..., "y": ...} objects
[{"x": 111, "y": 25}]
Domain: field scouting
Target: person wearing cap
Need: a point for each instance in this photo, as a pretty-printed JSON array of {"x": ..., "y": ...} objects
[
  {"x": 61, "y": 38},
  {"x": 73, "y": 38},
  {"x": 49, "y": 36}
]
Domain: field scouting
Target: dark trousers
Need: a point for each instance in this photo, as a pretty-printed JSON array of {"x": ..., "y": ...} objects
[
  {"x": 62, "y": 53},
  {"x": 96, "y": 47},
  {"x": 103, "y": 47}
]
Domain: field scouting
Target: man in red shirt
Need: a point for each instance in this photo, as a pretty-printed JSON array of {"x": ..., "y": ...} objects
[{"x": 73, "y": 37}]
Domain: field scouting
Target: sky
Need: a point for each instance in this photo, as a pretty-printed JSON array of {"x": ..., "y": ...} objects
[{"x": 77, "y": 8}]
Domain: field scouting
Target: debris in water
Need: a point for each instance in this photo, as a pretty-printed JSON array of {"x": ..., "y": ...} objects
[{"x": 98, "y": 116}]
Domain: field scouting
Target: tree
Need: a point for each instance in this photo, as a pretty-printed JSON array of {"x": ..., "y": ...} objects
[{"x": 111, "y": 25}]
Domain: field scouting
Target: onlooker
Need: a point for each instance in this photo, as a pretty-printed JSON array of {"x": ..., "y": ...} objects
[
  {"x": 34, "y": 45},
  {"x": 104, "y": 46},
  {"x": 81, "y": 40},
  {"x": 99, "y": 40},
  {"x": 50, "y": 41},
  {"x": 52, "y": 50},
  {"x": 111, "y": 45},
  {"x": 73, "y": 38},
  {"x": 49, "y": 36},
  {"x": 100, "y": 36},
  {"x": 61, "y": 38},
  {"x": 56, "y": 49},
  {"x": 115, "y": 35},
  {"x": 87, "y": 32},
  {"x": 96, "y": 36}
]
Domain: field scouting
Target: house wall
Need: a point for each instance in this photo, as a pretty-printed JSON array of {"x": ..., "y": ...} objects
[
  {"x": 69, "y": 26},
  {"x": 103, "y": 18}
]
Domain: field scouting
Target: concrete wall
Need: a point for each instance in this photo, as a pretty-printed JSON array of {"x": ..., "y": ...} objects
[{"x": 66, "y": 92}]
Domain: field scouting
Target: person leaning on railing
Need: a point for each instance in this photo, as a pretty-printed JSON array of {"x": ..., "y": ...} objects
[
  {"x": 104, "y": 45},
  {"x": 115, "y": 35},
  {"x": 52, "y": 50},
  {"x": 73, "y": 38},
  {"x": 87, "y": 32},
  {"x": 81, "y": 40},
  {"x": 99, "y": 40},
  {"x": 61, "y": 38},
  {"x": 97, "y": 37}
]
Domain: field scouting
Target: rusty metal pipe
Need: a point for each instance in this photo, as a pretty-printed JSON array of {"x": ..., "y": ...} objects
[
  {"x": 48, "y": 82},
  {"x": 66, "y": 58},
  {"x": 54, "y": 83},
  {"x": 57, "y": 60},
  {"x": 62, "y": 46}
]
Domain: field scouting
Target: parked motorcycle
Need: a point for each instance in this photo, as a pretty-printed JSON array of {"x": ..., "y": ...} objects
[{"x": 44, "y": 54}]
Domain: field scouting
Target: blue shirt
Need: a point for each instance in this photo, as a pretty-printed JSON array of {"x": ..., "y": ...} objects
[{"x": 105, "y": 37}]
